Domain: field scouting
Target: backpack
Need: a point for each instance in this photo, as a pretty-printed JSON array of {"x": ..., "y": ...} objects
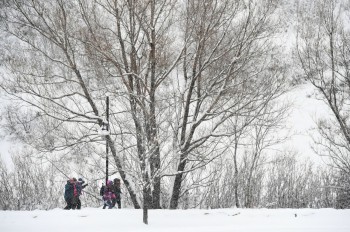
[
  {"x": 107, "y": 191},
  {"x": 108, "y": 196},
  {"x": 75, "y": 190}
]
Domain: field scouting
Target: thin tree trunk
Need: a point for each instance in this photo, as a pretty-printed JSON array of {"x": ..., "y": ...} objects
[
  {"x": 236, "y": 173},
  {"x": 145, "y": 205},
  {"x": 155, "y": 159}
]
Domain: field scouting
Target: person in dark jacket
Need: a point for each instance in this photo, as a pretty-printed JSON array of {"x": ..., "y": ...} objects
[
  {"x": 117, "y": 191},
  {"x": 69, "y": 193},
  {"x": 80, "y": 186},
  {"x": 107, "y": 194}
]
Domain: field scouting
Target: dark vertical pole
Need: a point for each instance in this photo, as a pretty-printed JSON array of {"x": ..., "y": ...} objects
[{"x": 107, "y": 128}]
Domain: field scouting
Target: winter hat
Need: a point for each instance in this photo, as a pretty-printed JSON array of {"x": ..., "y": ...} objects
[{"x": 80, "y": 180}]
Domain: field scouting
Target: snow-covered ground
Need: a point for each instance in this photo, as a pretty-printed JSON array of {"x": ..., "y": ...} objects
[{"x": 218, "y": 220}]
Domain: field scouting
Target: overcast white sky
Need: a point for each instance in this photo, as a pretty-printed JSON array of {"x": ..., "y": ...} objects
[
  {"x": 4, "y": 151},
  {"x": 305, "y": 111}
]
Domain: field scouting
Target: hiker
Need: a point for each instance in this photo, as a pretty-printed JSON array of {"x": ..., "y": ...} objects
[
  {"x": 107, "y": 194},
  {"x": 79, "y": 186},
  {"x": 69, "y": 193},
  {"x": 116, "y": 190}
]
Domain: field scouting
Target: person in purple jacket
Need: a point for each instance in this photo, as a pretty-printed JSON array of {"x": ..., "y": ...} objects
[{"x": 108, "y": 195}]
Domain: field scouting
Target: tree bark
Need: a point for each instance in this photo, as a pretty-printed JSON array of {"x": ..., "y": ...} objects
[{"x": 174, "y": 201}]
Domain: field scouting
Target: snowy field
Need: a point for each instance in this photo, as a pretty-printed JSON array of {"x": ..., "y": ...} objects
[{"x": 219, "y": 220}]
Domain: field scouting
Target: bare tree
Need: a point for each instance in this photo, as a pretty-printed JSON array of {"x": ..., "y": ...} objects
[
  {"x": 54, "y": 77},
  {"x": 6, "y": 191},
  {"x": 81, "y": 57},
  {"x": 225, "y": 73},
  {"x": 324, "y": 57},
  {"x": 141, "y": 59},
  {"x": 294, "y": 182},
  {"x": 176, "y": 83}
]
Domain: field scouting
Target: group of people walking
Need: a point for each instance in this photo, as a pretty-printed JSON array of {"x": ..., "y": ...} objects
[
  {"x": 72, "y": 192},
  {"x": 110, "y": 193}
]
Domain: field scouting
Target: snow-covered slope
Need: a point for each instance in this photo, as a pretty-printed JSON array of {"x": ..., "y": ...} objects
[{"x": 219, "y": 220}]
